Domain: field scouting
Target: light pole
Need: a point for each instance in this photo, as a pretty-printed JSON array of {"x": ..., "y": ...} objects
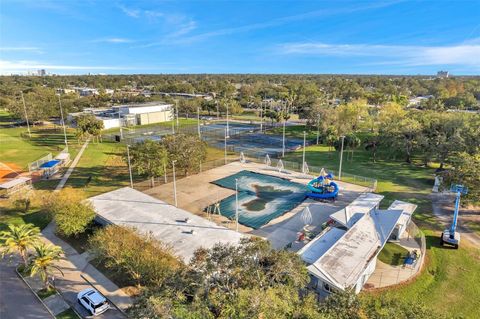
[
  {"x": 228, "y": 129},
  {"x": 261, "y": 117},
  {"x": 318, "y": 130},
  {"x": 176, "y": 111},
  {"x": 198, "y": 121},
  {"x": 236, "y": 201},
  {"x": 129, "y": 166},
  {"x": 173, "y": 122},
  {"x": 225, "y": 146},
  {"x": 174, "y": 184},
  {"x": 26, "y": 116},
  {"x": 283, "y": 139},
  {"x": 218, "y": 110},
  {"x": 120, "y": 124},
  {"x": 303, "y": 156},
  {"x": 63, "y": 122},
  {"x": 341, "y": 159}
]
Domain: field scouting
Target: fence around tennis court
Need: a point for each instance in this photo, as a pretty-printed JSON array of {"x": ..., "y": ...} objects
[{"x": 292, "y": 166}]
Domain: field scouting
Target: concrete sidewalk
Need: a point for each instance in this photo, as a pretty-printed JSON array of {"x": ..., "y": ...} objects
[
  {"x": 76, "y": 265},
  {"x": 65, "y": 177}
]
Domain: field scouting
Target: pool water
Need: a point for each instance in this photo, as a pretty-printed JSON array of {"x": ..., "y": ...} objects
[{"x": 261, "y": 198}]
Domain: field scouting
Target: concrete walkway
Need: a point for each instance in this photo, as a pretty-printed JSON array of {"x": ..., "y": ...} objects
[
  {"x": 75, "y": 266},
  {"x": 67, "y": 174}
]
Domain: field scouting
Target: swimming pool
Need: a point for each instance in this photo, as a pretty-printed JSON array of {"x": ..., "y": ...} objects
[{"x": 261, "y": 198}]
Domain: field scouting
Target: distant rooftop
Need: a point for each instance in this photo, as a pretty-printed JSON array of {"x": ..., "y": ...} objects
[{"x": 183, "y": 231}]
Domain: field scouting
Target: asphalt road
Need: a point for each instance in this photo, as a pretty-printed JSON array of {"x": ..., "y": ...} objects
[{"x": 16, "y": 299}]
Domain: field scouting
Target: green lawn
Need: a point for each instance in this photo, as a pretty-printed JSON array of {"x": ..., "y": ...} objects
[
  {"x": 450, "y": 280},
  {"x": 393, "y": 254},
  {"x": 23, "y": 150},
  {"x": 8, "y": 216},
  {"x": 67, "y": 314}
]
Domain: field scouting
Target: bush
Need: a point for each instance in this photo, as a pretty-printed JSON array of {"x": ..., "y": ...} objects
[
  {"x": 71, "y": 212},
  {"x": 145, "y": 260}
]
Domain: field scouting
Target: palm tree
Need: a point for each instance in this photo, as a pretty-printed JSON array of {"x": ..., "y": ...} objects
[
  {"x": 42, "y": 263},
  {"x": 19, "y": 238}
]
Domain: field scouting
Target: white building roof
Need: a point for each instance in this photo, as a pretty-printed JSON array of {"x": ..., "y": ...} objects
[
  {"x": 315, "y": 249},
  {"x": 406, "y": 208},
  {"x": 14, "y": 182},
  {"x": 129, "y": 207},
  {"x": 344, "y": 263},
  {"x": 144, "y": 108},
  {"x": 364, "y": 203}
]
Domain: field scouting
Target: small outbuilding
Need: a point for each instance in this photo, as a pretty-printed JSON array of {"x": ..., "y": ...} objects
[
  {"x": 15, "y": 185},
  {"x": 50, "y": 168}
]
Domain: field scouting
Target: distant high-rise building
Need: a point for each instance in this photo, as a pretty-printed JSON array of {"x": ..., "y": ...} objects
[
  {"x": 41, "y": 72},
  {"x": 442, "y": 74}
]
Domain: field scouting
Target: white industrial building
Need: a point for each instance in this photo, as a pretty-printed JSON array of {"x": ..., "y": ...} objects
[
  {"x": 183, "y": 231},
  {"x": 344, "y": 255},
  {"x": 130, "y": 115}
]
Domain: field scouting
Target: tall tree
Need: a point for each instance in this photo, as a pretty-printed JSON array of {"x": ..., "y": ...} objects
[
  {"x": 43, "y": 262},
  {"x": 189, "y": 151},
  {"x": 19, "y": 238},
  {"x": 149, "y": 158}
]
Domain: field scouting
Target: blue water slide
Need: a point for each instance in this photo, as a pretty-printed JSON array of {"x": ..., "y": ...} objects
[{"x": 319, "y": 190}]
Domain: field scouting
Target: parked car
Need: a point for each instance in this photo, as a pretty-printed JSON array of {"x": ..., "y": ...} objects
[{"x": 93, "y": 301}]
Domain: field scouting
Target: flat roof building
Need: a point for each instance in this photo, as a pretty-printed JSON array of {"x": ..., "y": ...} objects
[
  {"x": 183, "y": 231},
  {"x": 345, "y": 256}
]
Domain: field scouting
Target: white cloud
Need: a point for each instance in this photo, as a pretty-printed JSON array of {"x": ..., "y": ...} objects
[
  {"x": 113, "y": 40},
  {"x": 7, "y": 67},
  {"x": 411, "y": 55},
  {"x": 21, "y": 49},
  {"x": 316, "y": 14},
  {"x": 134, "y": 13}
]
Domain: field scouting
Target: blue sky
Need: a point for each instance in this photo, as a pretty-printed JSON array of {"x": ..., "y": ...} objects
[{"x": 391, "y": 37}]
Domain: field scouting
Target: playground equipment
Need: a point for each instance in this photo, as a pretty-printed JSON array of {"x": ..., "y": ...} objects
[
  {"x": 450, "y": 236},
  {"x": 322, "y": 187}
]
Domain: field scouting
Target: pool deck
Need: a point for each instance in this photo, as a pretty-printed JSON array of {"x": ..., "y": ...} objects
[{"x": 196, "y": 192}]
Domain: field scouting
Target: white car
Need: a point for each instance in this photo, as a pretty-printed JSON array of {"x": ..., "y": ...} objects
[{"x": 93, "y": 301}]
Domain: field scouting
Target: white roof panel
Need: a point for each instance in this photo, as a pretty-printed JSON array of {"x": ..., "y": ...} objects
[
  {"x": 407, "y": 208},
  {"x": 183, "y": 231},
  {"x": 14, "y": 182},
  {"x": 364, "y": 203}
]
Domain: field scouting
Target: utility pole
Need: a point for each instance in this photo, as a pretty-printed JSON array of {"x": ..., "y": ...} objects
[
  {"x": 318, "y": 130},
  {"x": 174, "y": 184},
  {"x": 173, "y": 122},
  {"x": 26, "y": 116},
  {"x": 63, "y": 122},
  {"x": 218, "y": 110},
  {"x": 236, "y": 201},
  {"x": 304, "y": 144},
  {"x": 341, "y": 159},
  {"x": 198, "y": 122},
  {"x": 129, "y": 166}
]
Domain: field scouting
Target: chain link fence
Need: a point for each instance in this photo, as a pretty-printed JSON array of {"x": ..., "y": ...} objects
[{"x": 388, "y": 275}]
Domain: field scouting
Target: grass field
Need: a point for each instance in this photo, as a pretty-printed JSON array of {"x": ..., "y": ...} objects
[
  {"x": 450, "y": 280},
  {"x": 393, "y": 254},
  {"x": 22, "y": 150},
  {"x": 33, "y": 216}
]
